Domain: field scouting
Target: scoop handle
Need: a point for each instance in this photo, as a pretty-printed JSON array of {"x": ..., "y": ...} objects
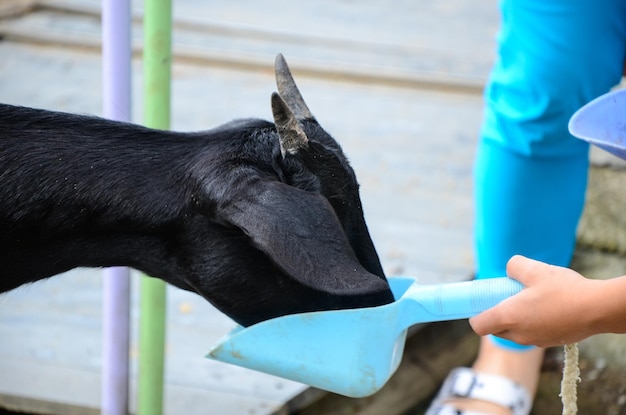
[{"x": 460, "y": 300}]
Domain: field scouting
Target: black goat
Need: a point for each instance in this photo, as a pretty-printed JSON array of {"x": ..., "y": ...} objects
[{"x": 260, "y": 219}]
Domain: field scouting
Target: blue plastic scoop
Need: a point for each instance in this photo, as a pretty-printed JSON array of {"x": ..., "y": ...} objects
[
  {"x": 354, "y": 352},
  {"x": 602, "y": 122}
]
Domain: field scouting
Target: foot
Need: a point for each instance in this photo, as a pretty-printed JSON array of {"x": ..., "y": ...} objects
[{"x": 501, "y": 382}]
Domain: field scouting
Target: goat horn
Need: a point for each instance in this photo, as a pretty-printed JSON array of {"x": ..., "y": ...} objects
[
  {"x": 290, "y": 133},
  {"x": 289, "y": 91}
]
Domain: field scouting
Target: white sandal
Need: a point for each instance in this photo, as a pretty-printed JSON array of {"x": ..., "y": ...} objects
[{"x": 464, "y": 382}]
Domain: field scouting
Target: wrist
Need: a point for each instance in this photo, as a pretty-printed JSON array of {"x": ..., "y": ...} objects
[{"x": 606, "y": 308}]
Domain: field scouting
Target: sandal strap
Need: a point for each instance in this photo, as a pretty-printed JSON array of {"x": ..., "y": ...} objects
[
  {"x": 447, "y": 409},
  {"x": 466, "y": 383}
]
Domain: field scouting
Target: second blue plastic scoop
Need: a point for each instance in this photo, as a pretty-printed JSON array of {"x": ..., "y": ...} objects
[{"x": 602, "y": 122}]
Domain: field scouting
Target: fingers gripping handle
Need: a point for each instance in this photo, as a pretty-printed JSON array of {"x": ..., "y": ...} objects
[{"x": 463, "y": 299}]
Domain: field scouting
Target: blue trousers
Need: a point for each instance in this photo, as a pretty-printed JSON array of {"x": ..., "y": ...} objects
[{"x": 530, "y": 174}]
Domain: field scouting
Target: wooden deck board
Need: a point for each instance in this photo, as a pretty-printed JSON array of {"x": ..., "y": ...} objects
[{"x": 412, "y": 151}]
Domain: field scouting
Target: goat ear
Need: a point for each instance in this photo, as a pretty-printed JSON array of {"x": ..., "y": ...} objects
[
  {"x": 288, "y": 90},
  {"x": 300, "y": 232},
  {"x": 291, "y": 135}
]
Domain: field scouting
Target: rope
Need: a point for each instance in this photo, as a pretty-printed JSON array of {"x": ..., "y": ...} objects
[{"x": 571, "y": 377}]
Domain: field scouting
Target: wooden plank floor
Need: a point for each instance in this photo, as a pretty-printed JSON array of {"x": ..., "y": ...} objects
[{"x": 412, "y": 150}]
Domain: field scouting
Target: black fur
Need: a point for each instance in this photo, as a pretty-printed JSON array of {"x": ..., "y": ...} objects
[{"x": 221, "y": 212}]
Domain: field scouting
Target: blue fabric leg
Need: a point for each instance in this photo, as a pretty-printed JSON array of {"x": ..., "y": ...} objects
[
  {"x": 530, "y": 174},
  {"x": 528, "y": 206}
]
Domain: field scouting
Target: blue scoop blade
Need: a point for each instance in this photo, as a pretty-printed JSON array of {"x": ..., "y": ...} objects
[
  {"x": 344, "y": 351},
  {"x": 602, "y": 122}
]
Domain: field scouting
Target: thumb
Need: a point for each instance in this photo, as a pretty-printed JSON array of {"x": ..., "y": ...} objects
[
  {"x": 494, "y": 320},
  {"x": 484, "y": 323}
]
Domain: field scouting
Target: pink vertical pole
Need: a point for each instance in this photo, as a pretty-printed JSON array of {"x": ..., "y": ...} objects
[{"x": 116, "y": 57}]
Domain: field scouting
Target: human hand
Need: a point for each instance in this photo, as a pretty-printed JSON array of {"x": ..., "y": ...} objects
[{"x": 553, "y": 309}]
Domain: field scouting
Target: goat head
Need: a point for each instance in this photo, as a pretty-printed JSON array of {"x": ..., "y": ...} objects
[{"x": 260, "y": 219}]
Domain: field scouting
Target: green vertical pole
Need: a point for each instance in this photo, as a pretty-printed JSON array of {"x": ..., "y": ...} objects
[{"x": 157, "y": 58}]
